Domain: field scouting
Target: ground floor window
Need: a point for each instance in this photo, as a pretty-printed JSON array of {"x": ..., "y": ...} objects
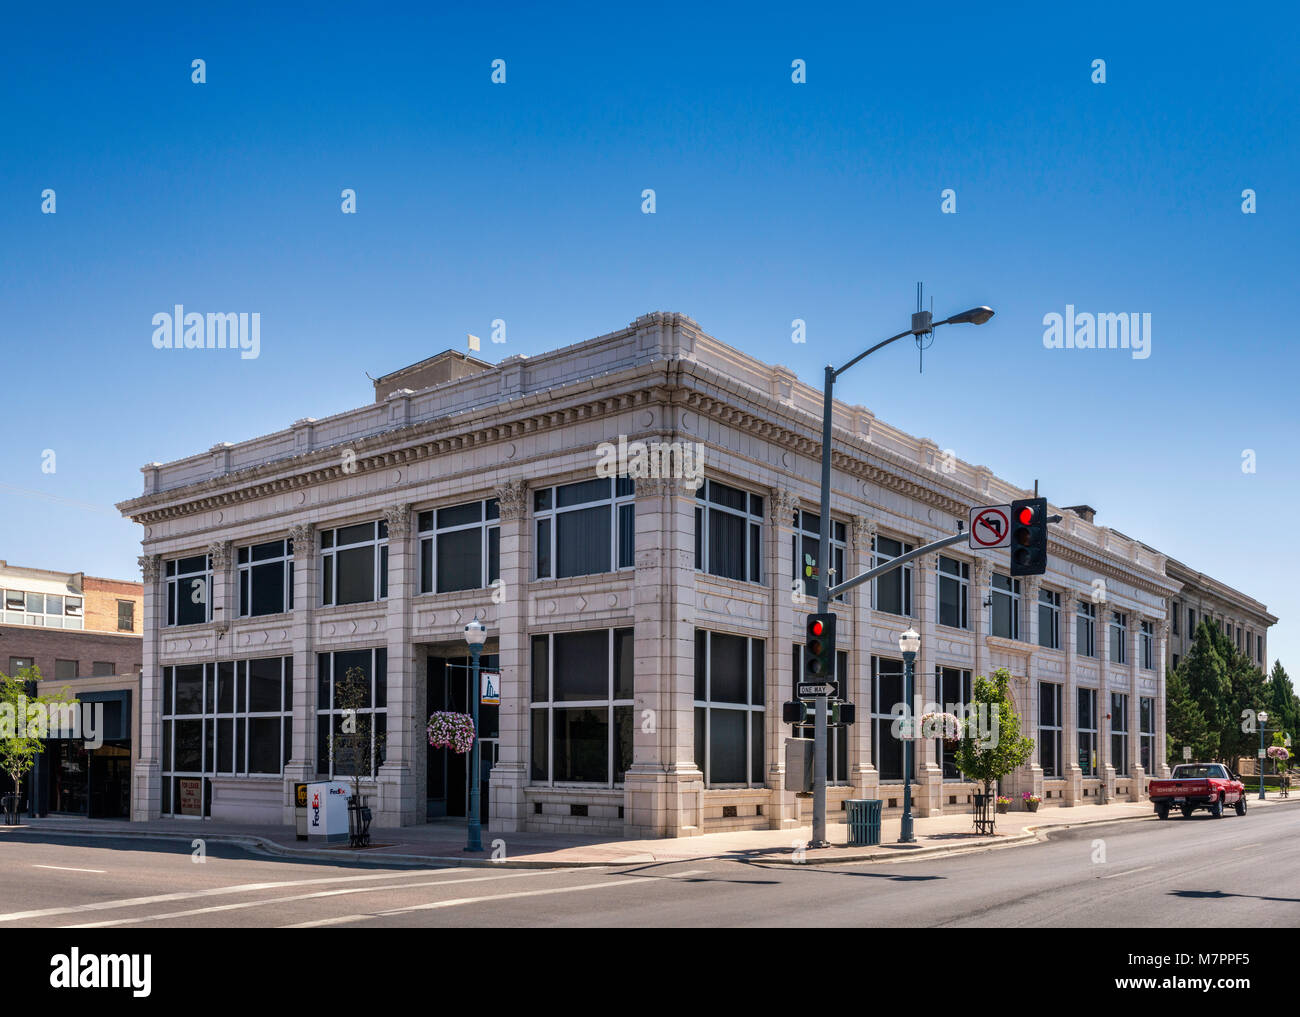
[
  {"x": 887, "y": 699},
  {"x": 1049, "y": 729},
  {"x": 953, "y": 686},
  {"x": 582, "y": 707},
  {"x": 1087, "y": 731},
  {"x": 1119, "y": 733},
  {"x": 223, "y": 718},
  {"x": 369, "y": 668},
  {"x": 1147, "y": 729},
  {"x": 729, "y": 673},
  {"x": 837, "y": 744}
]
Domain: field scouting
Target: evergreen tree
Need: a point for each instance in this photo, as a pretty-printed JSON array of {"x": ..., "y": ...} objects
[
  {"x": 1184, "y": 722},
  {"x": 1206, "y": 675},
  {"x": 1283, "y": 704}
]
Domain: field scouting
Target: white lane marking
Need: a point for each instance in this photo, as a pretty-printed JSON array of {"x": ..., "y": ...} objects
[
  {"x": 163, "y": 898},
  {"x": 1128, "y": 872},
  {"x": 286, "y": 900},
  {"x": 1244, "y": 846},
  {"x": 458, "y": 901},
  {"x": 65, "y": 868}
]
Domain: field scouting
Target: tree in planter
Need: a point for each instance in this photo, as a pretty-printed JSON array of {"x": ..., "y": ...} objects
[
  {"x": 990, "y": 754},
  {"x": 351, "y": 745},
  {"x": 19, "y": 744}
]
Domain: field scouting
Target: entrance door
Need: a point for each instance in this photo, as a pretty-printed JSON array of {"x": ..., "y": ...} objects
[
  {"x": 110, "y": 782},
  {"x": 447, "y": 685}
]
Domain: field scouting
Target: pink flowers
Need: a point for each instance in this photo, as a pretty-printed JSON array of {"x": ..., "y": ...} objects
[
  {"x": 1278, "y": 752},
  {"x": 1029, "y": 796},
  {"x": 454, "y": 730}
]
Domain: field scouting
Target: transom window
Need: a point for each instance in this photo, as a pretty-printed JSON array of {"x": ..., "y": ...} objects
[
  {"x": 1049, "y": 619},
  {"x": 585, "y": 528},
  {"x": 728, "y": 532},
  {"x": 582, "y": 707},
  {"x": 460, "y": 547},
  {"x": 265, "y": 578},
  {"x": 954, "y": 592},
  {"x": 1005, "y": 619},
  {"x": 806, "y": 546},
  {"x": 354, "y": 563},
  {"x": 892, "y": 592},
  {"x": 729, "y": 675},
  {"x": 189, "y": 590}
]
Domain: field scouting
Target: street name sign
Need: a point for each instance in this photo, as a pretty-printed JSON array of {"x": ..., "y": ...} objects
[{"x": 990, "y": 527}]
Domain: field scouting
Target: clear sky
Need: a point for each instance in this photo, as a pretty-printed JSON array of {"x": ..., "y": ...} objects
[{"x": 774, "y": 201}]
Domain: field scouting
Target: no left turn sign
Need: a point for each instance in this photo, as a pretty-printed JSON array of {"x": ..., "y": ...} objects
[{"x": 990, "y": 526}]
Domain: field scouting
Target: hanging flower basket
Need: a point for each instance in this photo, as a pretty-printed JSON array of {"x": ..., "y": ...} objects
[
  {"x": 1278, "y": 752},
  {"x": 941, "y": 725},
  {"x": 453, "y": 730}
]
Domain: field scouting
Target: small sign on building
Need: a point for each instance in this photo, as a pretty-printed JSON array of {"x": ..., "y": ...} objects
[
  {"x": 490, "y": 692},
  {"x": 1187, "y": 753}
]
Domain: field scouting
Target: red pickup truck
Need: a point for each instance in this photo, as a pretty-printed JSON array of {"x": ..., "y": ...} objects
[{"x": 1195, "y": 786}]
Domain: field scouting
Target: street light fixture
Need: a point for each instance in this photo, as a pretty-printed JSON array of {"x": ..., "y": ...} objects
[
  {"x": 922, "y": 324},
  {"x": 909, "y": 642},
  {"x": 1259, "y": 763},
  {"x": 476, "y": 636}
]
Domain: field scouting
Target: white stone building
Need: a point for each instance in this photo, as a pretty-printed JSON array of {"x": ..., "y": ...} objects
[{"x": 646, "y": 633}]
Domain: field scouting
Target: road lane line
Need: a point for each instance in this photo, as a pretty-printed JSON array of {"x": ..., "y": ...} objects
[
  {"x": 164, "y": 898},
  {"x": 458, "y": 901},
  {"x": 65, "y": 868},
  {"x": 1128, "y": 872},
  {"x": 1244, "y": 846},
  {"x": 241, "y": 905}
]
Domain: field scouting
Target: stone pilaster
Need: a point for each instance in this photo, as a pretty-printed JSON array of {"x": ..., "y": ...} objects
[
  {"x": 1073, "y": 793},
  {"x": 981, "y": 590},
  {"x": 863, "y": 773},
  {"x": 402, "y": 775},
  {"x": 146, "y": 783},
  {"x": 664, "y": 787},
  {"x": 787, "y": 601},
  {"x": 1104, "y": 768},
  {"x": 306, "y": 595},
  {"x": 509, "y": 776},
  {"x": 1136, "y": 772},
  {"x": 928, "y": 771},
  {"x": 1160, "y": 766},
  {"x": 225, "y": 602}
]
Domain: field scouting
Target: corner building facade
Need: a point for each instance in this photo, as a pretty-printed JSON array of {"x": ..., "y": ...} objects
[{"x": 645, "y": 631}]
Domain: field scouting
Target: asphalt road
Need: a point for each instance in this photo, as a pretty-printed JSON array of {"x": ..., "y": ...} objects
[{"x": 1200, "y": 872}]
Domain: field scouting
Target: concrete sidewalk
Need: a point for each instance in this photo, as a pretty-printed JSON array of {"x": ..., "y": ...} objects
[{"x": 443, "y": 843}]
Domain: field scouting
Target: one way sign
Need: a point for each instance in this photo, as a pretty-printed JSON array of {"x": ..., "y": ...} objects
[{"x": 990, "y": 526}]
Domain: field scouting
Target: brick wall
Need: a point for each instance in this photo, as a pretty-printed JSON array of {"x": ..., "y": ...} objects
[
  {"x": 45, "y": 646},
  {"x": 102, "y": 596}
]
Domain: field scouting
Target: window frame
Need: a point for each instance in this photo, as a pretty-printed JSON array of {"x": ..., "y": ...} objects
[
  {"x": 378, "y": 753},
  {"x": 1056, "y": 730},
  {"x": 905, "y": 573},
  {"x": 1086, "y": 612},
  {"x": 754, "y": 678},
  {"x": 1051, "y": 601},
  {"x": 1014, "y": 594},
  {"x": 962, "y": 580},
  {"x": 329, "y": 566},
  {"x": 1082, "y": 733},
  {"x": 430, "y": 537},
  {"x": 245, "y": 564},
  {"x": 1118, "y": 637},
  {"x": 881, "y": 722},
  {"x": 549, "y": 516},
  {"x": 753, "y": 521},
  {"x": 1119, "y": 733},
  {"x": 1147, "y": 645},
  {"x": 174, "y": 581}
]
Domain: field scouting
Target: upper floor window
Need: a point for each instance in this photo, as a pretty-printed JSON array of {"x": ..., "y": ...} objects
[
  {"x": 892, "y": 592},
  {"x": 125, "y": 615},
  {"x": 806, "y": 543},
  {"x": 1147, "y": 644},
  {"x": 1005, "y": 594},
  {"x": 728, "y": 532},
  {"x": 57, "y": 611},
  {"x": 1085, "y": 632},
  {"x": 1049, "y": 619},
  {"x": 189, "y": 590},
  {"x": 1118, "y": 638},
  {"x": 265, "y": 578},
  {"x": 1173, "y": 615},
  {"x": 954, "y": 592},
  {"x": 585, "y": 528},
  {"x": 354, "y": 563},
  {"x": 1191, "y": 621},
  {"x": 460, "y": 547}
]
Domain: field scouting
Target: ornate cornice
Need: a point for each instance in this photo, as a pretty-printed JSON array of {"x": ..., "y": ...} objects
[{"x": 512, "y": 498}]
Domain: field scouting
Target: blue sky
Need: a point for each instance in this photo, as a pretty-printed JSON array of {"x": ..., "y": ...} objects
[{"x": 775, "y": 201}]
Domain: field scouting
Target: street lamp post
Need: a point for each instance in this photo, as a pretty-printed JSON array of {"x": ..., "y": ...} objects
[
  {"x": 476, "y": 636},
  {"x": 909, "y": 642},
  {"x": 1259, "y": 762},
  {"x": 922, "y": 324}
]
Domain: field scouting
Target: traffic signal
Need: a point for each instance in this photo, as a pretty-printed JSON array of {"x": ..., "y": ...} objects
[
  {"x": 843, "y": 713},
  {"x": 819, "y": 649},
  {"x": 1029, "y": 537},
  {"x": 795, "y": 712}
]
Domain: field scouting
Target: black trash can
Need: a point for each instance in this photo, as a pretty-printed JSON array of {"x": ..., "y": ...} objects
[{"x": 864, "y": 821}]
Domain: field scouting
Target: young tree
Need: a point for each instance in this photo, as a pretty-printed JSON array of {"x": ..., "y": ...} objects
[
  {"x": 352, "y": 743},
  {"x": 20, "y": 741},
  {"x": 989, "y": 755}
]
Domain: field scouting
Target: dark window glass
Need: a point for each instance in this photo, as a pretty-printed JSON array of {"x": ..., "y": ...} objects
[
  {"x": 626, "y": 535},
  {"x": 539, "y": 745},
  {"x": 727, "y": 534},
  {"x": 756, "y": 747},
  {"x": 426, "y": 566},
  {"x": 460, "y": 560},
  {"x": 264, "y": 745},
  {"x": 424, "y": 522},
  {"x": 622, "y": 741},
  {"x": 757, "y": 671},
  {"x": 273, "y": 549},
  {"x": 721, "y": 494},
  {"x": 356, "y": 534},
  {"x": 189, "y": 746},
  {"x": 582, "y": 542},
  {"x": 541, "y": 682},
  {"x": 543, "y": 548},
  {"x": 623, "y": 666},
  {"x": 225, "y": 686},
  {"x": 264, "y": 686},
  {"x": 494, "y": 554},
  {"x": 581, "y": 493},
  {"x": 189, "y": 688},
  {"x": 581, "y": 666},
  {"x": 542, "y": 500},
  {"x": 581, "y": 744},
  {"x": 460, "y": 515},
  {"x": 356, "y": 580},
  {"x": 728, "y": 675},
  {"x": 701, "y": 664},
  {"x": 267, "y": 588},
  {"x": 727, "y": 756}
]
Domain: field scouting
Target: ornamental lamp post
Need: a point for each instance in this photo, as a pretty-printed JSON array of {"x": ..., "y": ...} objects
[
  {"x": 909, "y": 642},
  {"x": 476, "y": 636},
  {"x": 1259, "y": 763}
]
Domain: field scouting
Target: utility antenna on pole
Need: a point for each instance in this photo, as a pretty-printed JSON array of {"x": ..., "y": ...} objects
[{"x": 925, "y": 340}]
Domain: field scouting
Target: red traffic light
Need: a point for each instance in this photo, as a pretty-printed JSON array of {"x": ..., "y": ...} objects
[
  {"x": 817, "y": 628},
  {"x": 1026, "y": 516}
]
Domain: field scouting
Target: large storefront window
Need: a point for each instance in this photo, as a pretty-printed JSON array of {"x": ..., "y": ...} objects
[
  {"x": 954, "y": 688},
  {"x": 332, "y": 670},
  {"x": 806, "y": 547},
  {"x": 585, "y": 528},
  {"x": 354, "y": 563},
  {"x": 224, "y": 718},
  {"x": 460, "y": 547},
  {"x": 837, "y": 748},
  {"x": 1119, "y": 733},
  {"x": 729, "y": 673},
  {"x": 1049, "y": 729},
  {"x": 886, "y": 698},
  {"x": 1147, "y": 725},
  {"x": 1087, "y": 732},
  {"x": 582, "y": 704},
  {"x": 189, "y": 590},
  {"x": 728, "y": 532},
  {"x": 265, "y": 578}
]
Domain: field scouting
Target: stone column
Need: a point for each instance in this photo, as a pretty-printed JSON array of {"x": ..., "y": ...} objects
[
  {"x": 787, "y": 602},
  {"x": 865, "y": 777},
  {"x": 510, "y": 775},
  {"x": 1073, "y": 793},
  {"x": 664, "y": 787},
  {"x": 401, "y": 803},
  {"x": 1136, "y": 772},
  {"x": 1105, "y": 769},
  {"x": 1159, "y": 765},
  {"x": 306, "y": 595},
  {"x": 981, "y": 590},
  {"x": 928, "y": 772},
  {"x": 146, "y": 782}
]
